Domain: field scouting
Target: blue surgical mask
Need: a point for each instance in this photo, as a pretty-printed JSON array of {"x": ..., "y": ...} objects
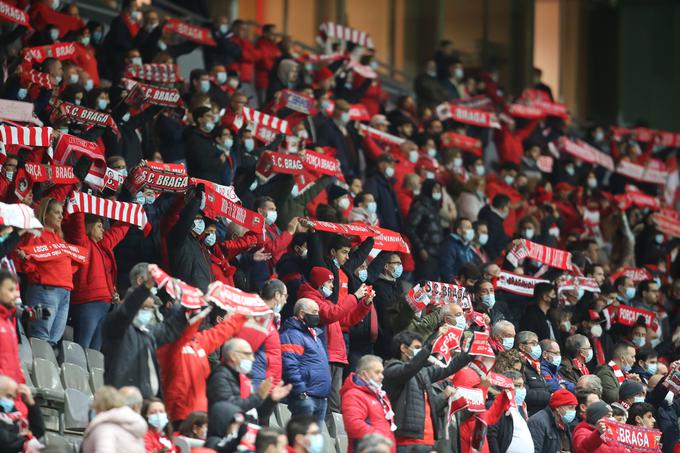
[
  {"x": 199, "y": 226},
  {"x": 372, "y": 207},
  {"x": 89, "y": 84},
  {"x": 22, "y": 93},
  {"x": 54, "y": 34},
  {"x": 315, "y": 443},
  {"x": 102, "y": 104},
  {"x": 489, "y": 300},
  {"x": 144, "y": 317},
  {"x": 535, "y": 352},
  {"x": 224, "y": 28},
  {"x": 639, "y": 399},
  {"x": 508, "y": 343},
  {"x": 221, "y": 78},
  {"x": 85, "y": 40},
  {"x": 460, "y": 322},
  {"x": 529, "y": 233},
  {"x": 209, "y": 126},
  {"x": 639, "y": 341},
  {"x": 149, "y": 199},
  {"x": 483, "y": 239},
  {"x": 652, "y": 368},
  {"x": 398, "y": 270},
  {"x": 658, "y": 238},
  {"x": 159, "y": 420},
  {"x": 140, "y": 198},
  {"x": 7, "y": 404},
  {"x": 569, "y": 416},
  {"x": 345, "y": 118},
  {"x": 210, "y": 239},
  {"x": 324, "y": 105},
  {"x": 228, "y": 143},
  {"x": 630, "y": 292},
  {"x": 520, "y": 394},
  {"x": 326, "y": 291},
  {"x": 97, "y": 36},
  {"x": 73, "y": 78},
  {"x": 205, "y": 86},
  {"x": 271, "y": 217},
  {"x": 589, "y": 357},
  {"x": 469, "y": 235},
  {"x": 363, "y": 275},
  {"x": 556, "y": 360},
  {"x": 249, "y": 143}
]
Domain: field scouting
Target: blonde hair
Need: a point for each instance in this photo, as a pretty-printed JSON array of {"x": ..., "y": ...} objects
[
  {"x": 107, "y": 398},
  {"x": 43, "y": 208}
]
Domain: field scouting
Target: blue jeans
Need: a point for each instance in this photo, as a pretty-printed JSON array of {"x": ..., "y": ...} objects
[
  {"x": 87, "y": 319},
  {"x": 56, "y": 300},
  {"x": 310, "y": 406}
]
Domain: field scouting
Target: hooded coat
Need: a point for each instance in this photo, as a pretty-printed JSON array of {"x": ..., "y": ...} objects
[{"x": 120, "y": 429}]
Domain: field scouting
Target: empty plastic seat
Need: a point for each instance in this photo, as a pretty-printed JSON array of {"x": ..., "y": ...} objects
[
  {"x": 339, "y": 424},
  {"x": 43, "y": 350},
  {"x": 76, "y": 410},
  {"x": 56, "y": 442},
  {"x": 73, "y": 353},
  {"x": 75, "y": 377},
  {"x": 95, "y": 359},
  {"x": 343, "y": 443},
  {"x": 26, "y": 352},
  {"x": 69, "y": 335},
  {"x": 96, "y": 379},
  {"x": 284, "y": 414},
  {"x": 47, "y": 380},
  {"x": 28, "y": 378}
]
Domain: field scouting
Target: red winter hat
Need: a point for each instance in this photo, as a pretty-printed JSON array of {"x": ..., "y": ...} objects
[
  {"x": 562, "y": 397},
  {"x": 319, "y": 275},
  {"x": 321, "y": 75}
]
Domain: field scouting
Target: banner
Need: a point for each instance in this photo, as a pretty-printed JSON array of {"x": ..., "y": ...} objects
[
  {"x": 550, "y": 256},
  {"x": 637, "y": 274},
  {"x": 473, "y": 117},
  {"x": 49, "y": 252},
  {"x": 234, "y": 300},
  {"x": 159, "y": 177},
  {"x": 389, "y": 241},
  {"x": 521, "y": 285},
  {"x": 57, "y": 174},
  {"x": 18, "y": 215},
  {"x": 187, "y": 295},
  {"x": 481, "y": 101},
  {"x": 633, "y": 437},
  {"x": 628, "y": 316},
  {"x": 193, "y": 33},
  {"x": 130, "y": 213},
  {"x": 331, "y": 30},
  {"x": 525, "y": 111},
  {"x": 481, "y": 346},
  {"x": 345, "y": 229},
  {"x": 26, "y": 136},
  {"x": 217, "y": 205},
  {"x": 453, "y": 140},
  {"x": 447, "y": 343},
  {"x": 501, "y": 381},
  {"x": 380, "y": 136},
  {"x": 154, "y": 72},
  {"x": 11, "y": 13},
  {"x": 275, "y": 162},
  {"x": 59, "y": 51}
]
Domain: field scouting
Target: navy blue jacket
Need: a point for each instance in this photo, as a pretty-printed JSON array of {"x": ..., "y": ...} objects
[
  {"x": 388, "y": 208},
  {"x": 305, "y": 359},
  {"x": 454, "y": 254}
]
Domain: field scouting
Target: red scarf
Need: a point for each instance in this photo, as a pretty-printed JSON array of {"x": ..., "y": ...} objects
[
  {"x": 582, "y": 368},
  {"x": 384, "y": 402},
  {"x": 599, "y": 352},
  {"x": 132, "y": 26},
  {"x": 530, "y": 360},
  {"x": 620, "y": 376}
]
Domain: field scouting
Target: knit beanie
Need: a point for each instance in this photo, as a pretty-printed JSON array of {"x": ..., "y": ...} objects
[
  {"x": 562, "y": 397},
  {"x": 319, "y": 275},
  {"x": 596, "y": 411}
]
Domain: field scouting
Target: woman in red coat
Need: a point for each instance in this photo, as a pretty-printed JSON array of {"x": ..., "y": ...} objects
[
  {"x": 366, "y": 409},
  {"x": 158, "y": 438},
  {"x": 587, "y": 436}
]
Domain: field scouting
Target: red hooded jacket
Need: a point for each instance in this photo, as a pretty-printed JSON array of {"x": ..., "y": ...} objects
[
  {"x": 9, "y": 348},
  {"x": 185, "y": 369},
  {"x": 56, "y": 272},
  {"x": 586, "y": 439},
  {"x": 362, "y": 412},
  {"x": 268, "y": 54},
  {"x": 346, "y": 312},
  {"x": 246, "y": 64},
  {"x": 272, "y": 349}
]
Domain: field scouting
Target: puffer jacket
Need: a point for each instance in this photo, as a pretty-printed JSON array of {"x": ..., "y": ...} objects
[
  {"x": 362, "y": 412},
  {"x": 455, "y": 253},
  {"x": 538, "y": 391},
  {"x": 545, "y": 433},
  {"x": 120, "y": 429},
  {"x": 587, "y": 439},
  {"x": 9, "y": 348},
  {"x": 406, "y": 384},
  {"x": 305, "y": 360},
  {"x": 423, "y": 224},
  {"x": 387, "y": 296},
  {"x": 346, "y": 312}
]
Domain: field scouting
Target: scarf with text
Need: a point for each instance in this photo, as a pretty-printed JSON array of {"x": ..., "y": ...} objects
[
  {"x": 296, "y": 102},
  {"x": 628, "y": 316},
  {"x": 104, "y": 178},
  {"x": 637, "y": 274},
  {"x": 582, "y": 150},
  {"x": 345, "y": 229},
  {"x": 190, "y": 32},
  {"x": 139, "y": 93},
  {"x": 631, "y": 438},
  {"x": 13, "y": 14},
  {"x": 57, "y": 174},
  {"x": 217, "y": 205},
  {"x": 574, "y": 284},
  {"x": 667, "y": 224},
  {"x": 389, "y": 241},
  {"x": 158, "y": 177},
  {"x": 49, "y": 252},
  {"x": 67, "y": 144},
  {"x": 549, "y": 256},
  {"x": 521, "y": 285},
  {"x": 480, "y": 101},
  {"x": 233, "y": 300},
  {"x": 642, "y": 134},
  {"x": 331, "y": 31},
  {"x": 41, "y": 79},
  {"x": 447, "y": 343},
  {"x": 84, "y": 115},
  {"x": 655, "y": 172},
  {"x": 294, "y": 164},
  {"x": 130, "y": 213},
  {"x": 26, "y": 135},
  {"x": 525, "y": 111},
  {"x": 634, "y": 197},
  {"x": 470, "y": 144},
  {"x": 540, "y": 100},
  {"x": 465, "y": 115},
  {"x": 188, "y": 296},
  {"x": 154, "y": 72},
  {"x": 58, "y": 51}
]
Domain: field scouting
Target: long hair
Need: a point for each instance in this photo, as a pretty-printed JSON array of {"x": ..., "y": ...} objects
[{"x": 41, "y": 212}]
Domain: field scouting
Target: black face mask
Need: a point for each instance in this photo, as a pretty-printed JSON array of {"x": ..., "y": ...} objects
[{"x": 311, "y": 320}]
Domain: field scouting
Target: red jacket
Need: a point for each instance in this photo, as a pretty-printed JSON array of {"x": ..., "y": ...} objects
[
  {"x": 276, "y": 242},
  {"x": 495, "y": 186},
  {"x": 509, "y": 144},
  {"x": 246, "y": 65},
  {"x": 86, "y": 59},
  {"x": 56, "y": 272},
  {"x": 185, "y": 369},
  {"x": 268, "y": 54},
  {"x": 9, "y": 346},
  {"x": 41, "y": 15},
  {"x": 346, "y": 312},
  {"x": 271, "y": 340},
  {"x": 362, "y": 412},
  {"x": 96, "y": 279},
  {"x": 586, "y": 439},
  {"x": 158, "y": 442}
]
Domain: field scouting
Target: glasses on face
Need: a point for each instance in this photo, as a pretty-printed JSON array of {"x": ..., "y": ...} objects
[
  {"x": 395, "y": 263},
  {"x": 531, "y": 343}
]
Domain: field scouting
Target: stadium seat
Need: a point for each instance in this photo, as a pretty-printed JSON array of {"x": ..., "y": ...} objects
[
  {"x": 57, "y": 443},
  {"x": 43, "y": 350},
  {"x": 28, "y": 378},
  {"x": 75, "y": 377},
  {"x": 73, "y": 353},
  {"x": 47, "y": 380},
  {"x": 26, "y": 352},
  {"x": 76, "y": 410},
  {"x": 95, "y": 359},
  {"x": 339, "y": 424},
  {"x": 96, "y": 379},
  {"x": 68, "y": 334},
  {"x": 182, "y": 444}
]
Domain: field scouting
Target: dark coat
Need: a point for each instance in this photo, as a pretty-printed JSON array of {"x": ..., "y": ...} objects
[
  {"x": 423, "y": 225},
  {"x": 545, "y": 433},
  {"x": 388, "y": 208},
  {"x": 497, "y": 237},
  {"x": 227, "y": 52},
  {"x": 455, "y": 253},
  {"x": 428, "y": 91},
  {"x": 127, "y": 348},
  {"x": 387, "y": 295},
  {"x": 224, "y": 385},
  {"x": 11, "y": 439},
  {"x": 499, "y": 435},
  {"x": 535, "y": 321},
  {"x": 203, "y": 156},
  {"x": 329, "y": 134},
  {"x": 538, "y": 392}
]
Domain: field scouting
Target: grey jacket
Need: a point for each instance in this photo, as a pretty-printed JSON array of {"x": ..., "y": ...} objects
[{"x": 545, "y": 433}]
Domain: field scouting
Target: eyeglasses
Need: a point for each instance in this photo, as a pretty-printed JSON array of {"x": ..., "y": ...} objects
[{"x": 395, "y": 262}]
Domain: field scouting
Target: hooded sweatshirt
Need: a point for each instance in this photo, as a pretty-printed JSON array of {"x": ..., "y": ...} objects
[{"x": 120, "y": 429}]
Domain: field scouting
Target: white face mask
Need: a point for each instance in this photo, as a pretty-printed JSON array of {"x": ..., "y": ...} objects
[
  {"x": 343, "y": 203},
  {"x": 596, "y": 330},
  {"x": 199, "y": 226},
  {"x": 483, "y": 239},
  {"x": 432, "y": 152},
  {"x": 413, "y": 156},
  {"x": 389, "y": 172},
  {"x": 436, "y": 196},
  {"x": 271, "y": 217},
  {"x": 210, "y": 239},
  {"x": 136, "y": 61}
]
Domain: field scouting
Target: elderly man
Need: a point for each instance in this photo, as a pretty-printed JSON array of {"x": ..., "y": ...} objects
[
  {"x": 366, "y": 409},
  {"x": 550, "y": 427},
  {"x": 229, "y": 382},
  {"x": 305, "y": 361},
  {"x": 502, "y": 336},
  {"x": 589, "y": 383},
  {"x": 133, "y": 398},
  {"x": 551, "y": 362},
  {"x": 18, "y": 433},
  {"x": 615, "y": 372},
  {"x": 538, "y": 392},
  {"x": 579, "y": 352}
]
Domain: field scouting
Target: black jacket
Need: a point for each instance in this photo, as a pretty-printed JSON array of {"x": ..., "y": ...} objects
[
  {"x": 423, "y": 225},
  {"x": 388, "y": 208},
  {"x": 545, "y": 433},
  {"x": 11, "y": 439},
  {"x": 127, "y": 348},
  {"x": 497, "y": 237},
  {"x": 538, "y": 392},
  {"x": 203, "y": 156},
  {"x": 536, "y": 321},
  {"x": 499, "y": 435},
  {"x": 406, "y": 384},
  {"x": 224, "y": 385},
  {"x": 221, "y": 415},
  {"x": 189, "y": 260},
  {"x": 387, "y": 295}
]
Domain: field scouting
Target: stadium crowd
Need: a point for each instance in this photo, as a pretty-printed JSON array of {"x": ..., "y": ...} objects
[{"x": 463, "y": 270}]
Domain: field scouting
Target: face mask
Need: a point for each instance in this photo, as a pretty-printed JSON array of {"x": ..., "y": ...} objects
[
  {"x": 63, "y": 130},
  {"x": 303, "y": 134},
  {"x": 599, "y": 136},
  {"x": 224, "y": 28},
  {"x": 432, "y": 152},
  {"x": 535, "y": 352},
  {"x": 489, "y": 300},
  {"x": 569, "y": 416},
  {"x": 73, "y": 78},
  {"x": 374, "y": 65},
  {"x": 460, "y": 322},
  {"x": 389, "y": 172},
  {"x": 596, "y": 331},
  {"x": 556, "y": 360},
  {"x": 271, "y": 217},
  {"x": 159, "y": 420},
  {"x": 469, "y": 235},
  {"x": 22, "y": 93},
  {"x": 221, "y": 77},
  {"x": 592, "y": 183},
  {"x": 210, "y": 239},
  {"x": 58, "y": 79},
  {"x": 554, "y": 232},
  {"x": 375, "y": 384},
  {"x": 639, "y": 399},
  {"x": 436, "y": 196},
  {"x": 205, "y": 86},
  {"x": 416, "y": 191},
  {"x": 570, "y": 171},
  {"x": 344, "y": 118},
  {"x": 414, "y": 352},
  {"x": 102, "y": 104},
  {"x": 54, "y": 34},
  {"x": 655, "y": 342},
  {"x": 233, "y": 83},
  {"x": 371, "y": 207},
  {"x": 77, "y": 101},
  {"x": 249, "y": 143},
  {"x": 458, "y": 73},
  {"x": 277, "y": 308},
  {"x": 336, "y": 263},
  {"x": 311, "y": 320},
  {"x": 529, "y": 233},
  {"x": 363, "y": 275},
  {"x": 162, "y": 45},
  {"x": 652, "y": 368},
  {"x": 413, "y": 156},
  {"x": 9, "y": 175},
  {"x": 253, "y": 186},
  {"x": 508, "y": 343},
  {"x": 327, "y": 292},
  {"x": 639, "y": 341},
  {"x": 480, "y": 170},
  {"x": 144, "y": 317},
  {"x": 398, "y": 270},
  {"x": 458, "y": 162},
  {"x": 343, "y": 203},
  {"x": 630, "y": 292},
  {"x": 208, "y": 127},
  {"x": 589, "y": 357},
  {"x": 85, "y": 40},
  {"x": 97, "y": 36},
  {"x": 303, "y": 253},
  {"x": 429, "y": 175},
  {"x": 509, "y": 179},
  {"x": 315, "y": 443},
  {"x": 483, "y": 239},
  {"x": 659, "y": 238},
  {"x": 89, "y": 85},
  {"x": 140, "y": 198},
  {"x": 325, "y": 105},
  {"x": 199, "y": 226},
  {"x": 295, "y": 191},
  {"x": 149, "y": 199},
  {"x": 245, "y": 366},
  {"x": 520, "y": 394},
  {"x": 227, "y": 143},
  {"x": 567, "y": 325},
  {"x": 7, "y": 404},
  {"x": 136, "y": 61},
  {"x": 136, "y": 16}
]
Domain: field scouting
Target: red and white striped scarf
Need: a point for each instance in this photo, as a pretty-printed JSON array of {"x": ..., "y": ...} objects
[
  {"x": 530, "y": 360},
  {"x": 581, "y": 367},
  {"x": 620, "y": 376},
  {"x": 331, "y": 30},
  {"x": 268, "y": 121},
  {"x": 39, "y": 78},
  {"x": 131, "y": 213},
  {"x": 26, "y": 136}
]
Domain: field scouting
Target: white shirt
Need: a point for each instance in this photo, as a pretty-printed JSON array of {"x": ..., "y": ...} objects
[{"x": 521, "y": 437}]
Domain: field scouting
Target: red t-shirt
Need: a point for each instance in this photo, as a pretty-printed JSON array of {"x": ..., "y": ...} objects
[{"x": 428, "y": 434}]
